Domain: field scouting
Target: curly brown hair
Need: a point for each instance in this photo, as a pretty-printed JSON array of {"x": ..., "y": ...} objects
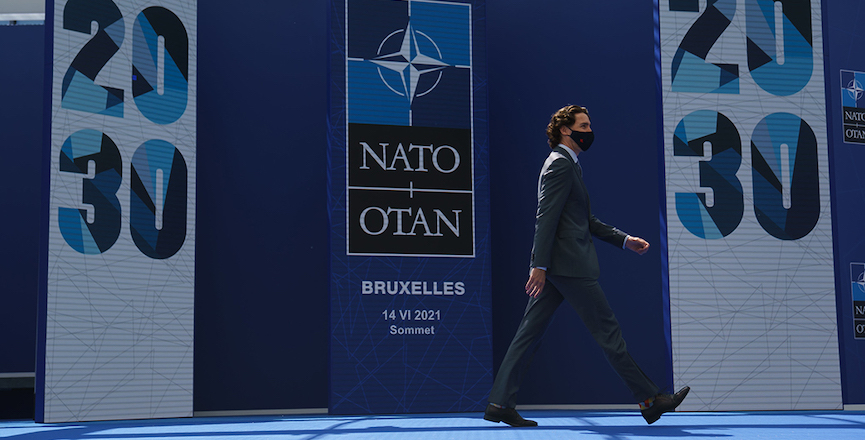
[{"x": 564, "y": 117}]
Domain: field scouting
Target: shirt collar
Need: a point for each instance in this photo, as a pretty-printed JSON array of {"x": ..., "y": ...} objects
[{"x": 571, "y": 152}]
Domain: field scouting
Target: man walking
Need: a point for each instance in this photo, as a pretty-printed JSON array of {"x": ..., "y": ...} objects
[{"x": 565, "y": 267}]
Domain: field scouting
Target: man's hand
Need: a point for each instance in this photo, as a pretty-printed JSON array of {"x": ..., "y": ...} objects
[
  {"x": 535, "y": 285},
  {"x": 637, "y": 245}
]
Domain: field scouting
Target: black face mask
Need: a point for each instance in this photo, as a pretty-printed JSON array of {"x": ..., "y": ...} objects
[{"x": 583, "y": 139}]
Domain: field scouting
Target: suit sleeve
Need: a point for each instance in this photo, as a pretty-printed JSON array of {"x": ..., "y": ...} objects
[
  {"x": 606, "y": 232},
  {"x": 554, "y": 189}
]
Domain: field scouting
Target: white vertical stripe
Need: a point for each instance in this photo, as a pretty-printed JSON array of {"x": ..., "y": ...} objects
[
  {"x": 119, "y": 325},
  {"x": 753, "y": 316}
]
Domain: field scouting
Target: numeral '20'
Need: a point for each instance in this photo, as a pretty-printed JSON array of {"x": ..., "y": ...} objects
[
  {"x": 691, "y": 72},
  {"x": 80, "y": 91}
]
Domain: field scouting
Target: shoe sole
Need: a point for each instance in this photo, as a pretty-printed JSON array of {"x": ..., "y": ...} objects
[
  {"x": 655, "y": 419},
  {"x": 492, "y": 419},
  {"x": 496, "y": 420}
]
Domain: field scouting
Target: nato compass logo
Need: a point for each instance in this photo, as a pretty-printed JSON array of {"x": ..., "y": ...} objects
[
  {"x": 409, "y": 63},
  {"x": 853, "y": 106},
  {"x": 854, "y": 93},
  {"x": 409, "y": 140},
  {"x": 857, "y": 288}
]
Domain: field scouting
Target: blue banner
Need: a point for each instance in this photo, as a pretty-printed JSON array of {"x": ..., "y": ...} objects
[
  {"x": 845, "y": 78},
  {"x": 410, "y": 286}
]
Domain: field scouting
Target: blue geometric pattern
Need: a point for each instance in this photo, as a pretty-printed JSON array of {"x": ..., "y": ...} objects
[
  {"x": 79, "y": 90},
  {"x": 773, "y": 132},
  {"x": 790, "y": 76},
  {"x": 409, "y": 63},
  {"x": 690, "y": 71},
  {"x": 723, "y": 216},
  {"x": 99, "y": 233},
  {"x": 116, "y": 315},
  {"x": 753, "y": 313},
  {"x": 167, "y": 106},
  {"x": 149, "y": 191}
]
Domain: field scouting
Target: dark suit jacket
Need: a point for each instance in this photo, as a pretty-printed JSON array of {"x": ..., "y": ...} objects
[{"x": 564, "y": 224}]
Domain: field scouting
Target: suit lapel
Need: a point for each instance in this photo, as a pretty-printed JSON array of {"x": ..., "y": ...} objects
[{"x": 578, "y": 170}]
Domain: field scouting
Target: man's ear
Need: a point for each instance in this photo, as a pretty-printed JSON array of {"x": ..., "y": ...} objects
[{"x": 562, "y": 130}]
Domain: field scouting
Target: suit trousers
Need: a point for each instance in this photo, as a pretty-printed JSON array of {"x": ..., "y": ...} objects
[{"x": 587, "y": 298}]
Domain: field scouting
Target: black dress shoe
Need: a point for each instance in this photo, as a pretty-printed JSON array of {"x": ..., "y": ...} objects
[
  {"x": 664, "y": 403},
  {"x": 507, "y": 415}
]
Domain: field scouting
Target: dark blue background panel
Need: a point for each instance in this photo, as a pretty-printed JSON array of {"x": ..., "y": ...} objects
[
  {"x": 21, "y": 73},
  {"x": 542, "y": 56},
  {"x": 262, "y": 259},
  {"x": 843, "y": 35}
]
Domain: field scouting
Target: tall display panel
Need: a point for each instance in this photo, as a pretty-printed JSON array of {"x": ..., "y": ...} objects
[
  {"x": 845, "y": 82},
  {"x": 748, "y": 209},
  {"x": 410, "y": 287},
  {"x": 116, "y": 307}
]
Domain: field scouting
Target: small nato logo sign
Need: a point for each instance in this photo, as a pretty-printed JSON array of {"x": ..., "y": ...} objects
[
  {"x": 853, "y": 106},
  {"x": 409, "y": 63},
  {"x": 857, "y": 281},
  {"x": 852, "y": 89}
]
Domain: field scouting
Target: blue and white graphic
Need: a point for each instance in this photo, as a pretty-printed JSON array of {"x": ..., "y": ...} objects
[
  {"x": 410, "y": 63},
  {"x": 852, "y": 84},
  {"x": 119, "y": 283},
  {"x": 408, "y": 107},
  {"x": 410, "y": 287},
  {"x": 406, "y": 68},
  {"x": 853, "y": 106},
  {"x": 857, "y": 289},
  {"x": 747, "y": 200}
]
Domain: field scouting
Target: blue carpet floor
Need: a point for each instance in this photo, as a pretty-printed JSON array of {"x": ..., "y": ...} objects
[{"x": 809, "y": 425}]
